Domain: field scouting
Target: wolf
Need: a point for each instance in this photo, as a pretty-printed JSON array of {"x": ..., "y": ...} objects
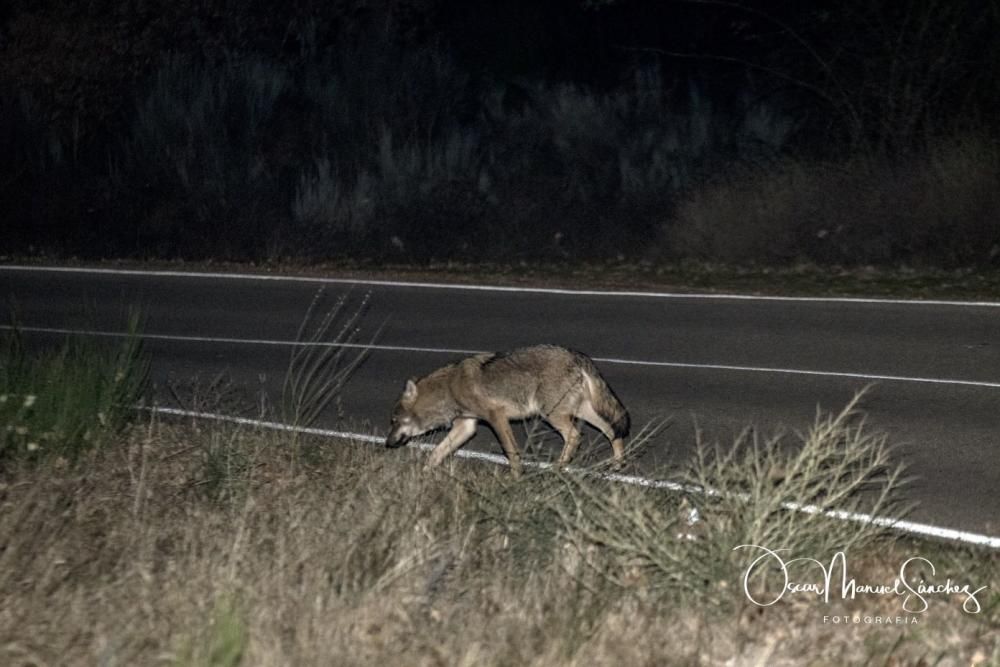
[{"x": 555, "y": 383}]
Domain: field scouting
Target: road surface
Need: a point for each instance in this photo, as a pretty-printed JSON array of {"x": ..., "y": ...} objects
[{"x": 717, "y": 362}]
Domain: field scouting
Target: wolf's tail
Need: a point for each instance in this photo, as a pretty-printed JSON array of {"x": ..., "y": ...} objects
[{"x": 606, "y": 403}]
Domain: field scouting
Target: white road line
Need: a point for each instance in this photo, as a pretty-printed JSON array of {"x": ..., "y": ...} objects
[
  {"x": 491, "y": 288},
  {"x": 870, "y": 377},
  {"x": 236, "y": 341},
  {"x": 909, "y": 527},
  {"x": 798, "y": 371}
]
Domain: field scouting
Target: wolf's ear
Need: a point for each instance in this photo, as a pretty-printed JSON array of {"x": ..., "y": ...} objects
[{"x": 410, "y": 390}]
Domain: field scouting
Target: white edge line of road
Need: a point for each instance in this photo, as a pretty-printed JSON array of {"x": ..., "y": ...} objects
[
  {"x": 870, "y": 377},
  {"x": 899, "y": 525},
  {"x": 491, "y": 288}
]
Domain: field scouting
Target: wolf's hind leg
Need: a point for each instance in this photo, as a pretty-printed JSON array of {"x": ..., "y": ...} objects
[
  {"x": 461, "y": 430},
  {"x": 589, "y": 415},
  {"x": 566, "y": 425}
]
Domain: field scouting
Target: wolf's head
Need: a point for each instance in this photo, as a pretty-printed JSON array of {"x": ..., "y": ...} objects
[{"x": 413, "y": 415}]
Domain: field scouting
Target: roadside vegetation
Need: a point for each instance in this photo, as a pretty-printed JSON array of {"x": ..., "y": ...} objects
[
  {"x": 860, "y": 135},
  {"x": 62, "y": 402},
  {"x": 193, "y": 542}
]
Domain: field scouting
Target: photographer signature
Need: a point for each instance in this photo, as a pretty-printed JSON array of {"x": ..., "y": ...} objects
[{"x": 914, "y": 589}]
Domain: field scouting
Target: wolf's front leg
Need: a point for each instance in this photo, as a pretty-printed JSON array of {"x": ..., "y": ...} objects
[
  {"x": 501, "y": 426},
  {"x": 461, "y": 430}
]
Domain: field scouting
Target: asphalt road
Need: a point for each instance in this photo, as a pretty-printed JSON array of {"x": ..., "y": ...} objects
[{"x": 718, "y": 363}]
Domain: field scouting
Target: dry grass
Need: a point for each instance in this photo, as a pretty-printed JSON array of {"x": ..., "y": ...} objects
[
  {"x": 222, "y": 546},
  {"x": 930, "y": 207}
]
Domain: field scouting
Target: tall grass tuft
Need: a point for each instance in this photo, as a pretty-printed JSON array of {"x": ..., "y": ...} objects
[
  {"x": 799, "y": 496},
  {"x": 324, "y": 356},
  {"x": 768, "y": 493},
  {"x": 65, "y": 401}
]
